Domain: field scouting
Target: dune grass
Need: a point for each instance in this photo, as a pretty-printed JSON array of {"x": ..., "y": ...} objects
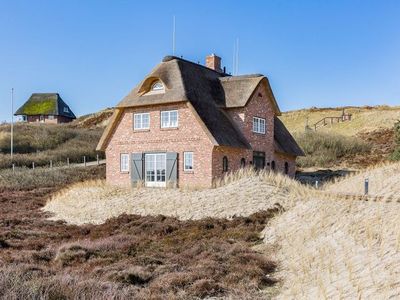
[
  {"x": 41, "y": 143},
  {"x": 324, "y": 149}
]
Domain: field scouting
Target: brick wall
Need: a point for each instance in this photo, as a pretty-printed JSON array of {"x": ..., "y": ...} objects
[
  {"x": 55, "y": 120},
  {"x": 189, "y": 136},
  {"x": 281, "y": 159},
  {"x": 258, "y": 106}
]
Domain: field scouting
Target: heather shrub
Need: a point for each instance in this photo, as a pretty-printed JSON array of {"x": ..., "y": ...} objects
[
  {"x": 325, "y": 149},
  {"x": 396, "y": 153}
]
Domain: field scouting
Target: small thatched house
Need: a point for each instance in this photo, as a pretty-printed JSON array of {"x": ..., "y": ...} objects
[
  {"x": 45, "y": 108},
  {"x": 189, "y": 124}
]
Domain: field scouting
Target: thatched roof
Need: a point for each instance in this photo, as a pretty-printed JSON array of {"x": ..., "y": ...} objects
[
  {"x": 207, "y": 91},
  {"x": 284, "y": 141},
  {"x": 45, "y": 104}
]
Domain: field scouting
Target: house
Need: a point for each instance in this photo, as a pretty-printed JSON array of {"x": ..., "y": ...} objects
[
  {"x": 45, "y": 108},
  {"x": 188, "y": 124}
]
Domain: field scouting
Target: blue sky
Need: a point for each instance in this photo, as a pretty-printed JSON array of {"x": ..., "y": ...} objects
[{"x": 315, "y": 53}]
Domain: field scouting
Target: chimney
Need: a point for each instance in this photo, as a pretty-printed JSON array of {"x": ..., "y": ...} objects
[{"x": 214, "y": 62}]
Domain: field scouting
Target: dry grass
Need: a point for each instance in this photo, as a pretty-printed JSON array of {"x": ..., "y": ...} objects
[
  {"x": 364, "y": 119},
  {"x": 332, "y": 248},
  {"x": 238, "y": 194}
]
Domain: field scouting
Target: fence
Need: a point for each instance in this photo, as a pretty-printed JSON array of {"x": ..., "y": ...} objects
[{"x": 67, "y": 163}]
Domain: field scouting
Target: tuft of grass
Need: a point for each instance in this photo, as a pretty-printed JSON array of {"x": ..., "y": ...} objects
[{"x": 325, "y": 149}]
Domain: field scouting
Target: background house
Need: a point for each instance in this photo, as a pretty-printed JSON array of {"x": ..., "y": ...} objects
[{"x": 45, "y": 108}]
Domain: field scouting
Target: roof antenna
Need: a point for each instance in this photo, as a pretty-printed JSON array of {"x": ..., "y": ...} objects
[
  {"x": 237, "y": 56},
  {"x": 173, "y": 35}
]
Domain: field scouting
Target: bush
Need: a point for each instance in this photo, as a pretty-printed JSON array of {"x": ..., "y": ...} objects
[
  {"x": 324, "y": 149},
  {"x": 396, "y": 153}
]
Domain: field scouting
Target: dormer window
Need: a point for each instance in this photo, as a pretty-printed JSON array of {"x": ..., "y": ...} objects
[{"x": 157, "y": 86}]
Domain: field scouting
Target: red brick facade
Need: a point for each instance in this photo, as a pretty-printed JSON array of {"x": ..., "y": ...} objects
[
  {"x": 48, "y": 120},
  {"x": 191, "y": 135}
]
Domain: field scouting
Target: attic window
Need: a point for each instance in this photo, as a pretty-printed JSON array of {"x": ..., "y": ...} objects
[
  {"x": 157, "y": 86},
  {"x": 66, "y": 110}
]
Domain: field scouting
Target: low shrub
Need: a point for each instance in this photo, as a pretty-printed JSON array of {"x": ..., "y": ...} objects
[
  {"x": 396, "y": 153},
  {"x": 325, "y": 149}
]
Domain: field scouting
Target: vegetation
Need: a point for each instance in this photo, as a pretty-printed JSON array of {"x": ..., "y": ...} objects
[
  {"x": 40, "y": 144},
  {"x": 153, "y": 257},
  {"x": 40, "y": 107},
  {"x": 25, "y": 179},
  {"x": 364, "y": 119},
  {"x": 396, "y": 154},
  {"x": 326, "y": 149}
]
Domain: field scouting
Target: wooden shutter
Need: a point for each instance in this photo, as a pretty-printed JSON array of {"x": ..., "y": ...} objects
[
  {"x": 172, "y": 168},
  {"x": 137, "y": 168}
]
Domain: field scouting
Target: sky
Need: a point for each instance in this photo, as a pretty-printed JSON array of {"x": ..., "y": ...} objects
[{"x": 315, "y": 53}]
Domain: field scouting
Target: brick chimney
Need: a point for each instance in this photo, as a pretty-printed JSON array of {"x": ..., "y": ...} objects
[{"x": 214, "y": 62}]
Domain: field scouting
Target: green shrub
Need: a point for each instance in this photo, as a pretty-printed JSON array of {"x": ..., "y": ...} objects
[
  {"x": 324, "y": 149},
  {"x": 396, "y": 154}
]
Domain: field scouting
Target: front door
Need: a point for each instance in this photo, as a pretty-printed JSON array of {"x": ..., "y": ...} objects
[
  {"x": 155, "y": 169},
  {"x": 259, "y": 160}
]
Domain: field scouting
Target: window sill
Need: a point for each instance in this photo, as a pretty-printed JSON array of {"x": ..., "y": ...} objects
[
  {"x": 259, "y": 133},
  {"x": 141, "y": 130},
  {"x": 169, "y": 128},
  {"x": 124, "y": 172},
  {"x": 188, "y": 171}
]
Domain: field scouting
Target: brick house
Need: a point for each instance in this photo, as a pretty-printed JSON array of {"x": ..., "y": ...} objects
[
  {"x": 188, "y": 124},
  {"x": 45, "y": 108}
]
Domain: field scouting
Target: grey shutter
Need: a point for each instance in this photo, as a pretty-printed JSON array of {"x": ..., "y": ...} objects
[
  {"x": 172, "y": 168},
  {"x": 137, "y": 168}
]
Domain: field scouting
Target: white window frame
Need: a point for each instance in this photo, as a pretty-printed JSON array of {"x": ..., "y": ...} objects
[
  {"x": 140, "y": 116},
  {"x": 124, "y": 164},
  {"x": 157, "y": 86},
  {"x": 259, "y": 125},
  {"x": 185, "y": 157},
  {"x": 169, "y": 125},
  {"x": 66, "y": 109}
]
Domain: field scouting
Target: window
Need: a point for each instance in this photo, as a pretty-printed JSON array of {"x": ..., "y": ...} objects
[
  {"x": 188, "y": 161},
  {"x": 141, "y": 121},
  {"x": 41, "y": 118},
  {"x": 243, "y": 162},
  {"x": 273, "y": 165},
  {"x": 157, "y": 86},
  {"x": 124, "y": 162},
  {"x": 24, "y": 118},
  {"x": 225, "y": 164},
  {"x": 51, "y": 117},
  {"x": 169, "y": 119},
  {"x": 66, "y": 110},
  {"x": 258, "y": 125},
  {"x": 286, "y": 168}
]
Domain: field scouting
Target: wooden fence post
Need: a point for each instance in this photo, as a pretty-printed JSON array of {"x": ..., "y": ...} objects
[
  {"x": 67, "y": 161},
  {"x": 51, "y": 164},
  {"x": 33, "y": 165},
  {"x": 316, "y": 184},
  {"x": 13, "y": 167},
  {"x": 84, "y": 161},
  {"x": 366, "y": 186},
  {"x": 98, "y": 161}
]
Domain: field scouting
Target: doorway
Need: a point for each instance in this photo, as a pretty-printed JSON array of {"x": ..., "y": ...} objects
[{"x": 155, "y": 169}]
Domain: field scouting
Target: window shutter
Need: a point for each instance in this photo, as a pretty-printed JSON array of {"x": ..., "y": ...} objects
[
  {"x": 137, "y": 168},
  {"x": 172, "y": 168}
]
